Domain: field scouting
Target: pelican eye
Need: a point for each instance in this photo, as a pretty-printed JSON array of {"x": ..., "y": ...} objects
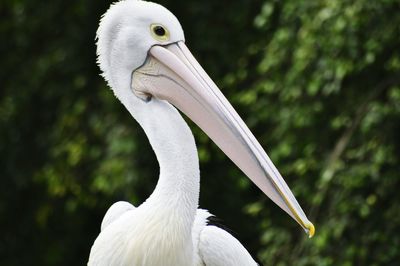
[{"x": 159, "y": 32}]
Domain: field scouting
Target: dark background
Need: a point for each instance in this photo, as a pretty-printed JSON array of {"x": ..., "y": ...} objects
[{"x": 318, "y": 83}]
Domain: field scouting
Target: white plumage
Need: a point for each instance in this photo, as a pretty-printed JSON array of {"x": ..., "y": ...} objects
[
  {"x": 142, "y": 55},
  {"x": 212, "y": 246}
]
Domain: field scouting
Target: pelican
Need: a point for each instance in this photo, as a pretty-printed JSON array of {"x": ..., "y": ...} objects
[{"x": 143, "y": 57}]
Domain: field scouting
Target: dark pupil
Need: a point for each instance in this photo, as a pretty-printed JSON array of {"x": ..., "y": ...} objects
[{"x": 159, "y": 31}]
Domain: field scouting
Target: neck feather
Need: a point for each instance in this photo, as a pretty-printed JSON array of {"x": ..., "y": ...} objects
[{"x": 173, "y": 143}]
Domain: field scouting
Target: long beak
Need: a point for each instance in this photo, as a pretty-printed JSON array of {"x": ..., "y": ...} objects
[{"x": 172, "y": 73}]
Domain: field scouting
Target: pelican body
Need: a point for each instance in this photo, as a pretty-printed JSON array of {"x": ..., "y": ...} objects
[{"x": 143, "y": 57}]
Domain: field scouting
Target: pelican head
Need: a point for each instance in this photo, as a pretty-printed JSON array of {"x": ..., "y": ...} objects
[
  {"x": 142, "y": 54},
  {"x": 126, "y": 33}
]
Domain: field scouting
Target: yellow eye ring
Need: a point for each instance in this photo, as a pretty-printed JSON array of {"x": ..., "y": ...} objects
[{"x": 159, "y": 32}]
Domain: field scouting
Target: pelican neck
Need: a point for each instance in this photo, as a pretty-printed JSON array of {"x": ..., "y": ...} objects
[{"x": 174, "y": 145}]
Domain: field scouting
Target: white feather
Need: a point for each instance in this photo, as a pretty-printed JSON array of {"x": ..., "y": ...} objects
[
  {"x": 219, "y": 248},
  {"x": 114, "y": 212}
]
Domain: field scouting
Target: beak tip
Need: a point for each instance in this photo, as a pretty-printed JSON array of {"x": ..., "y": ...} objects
[{"x": 310, "y": 229}]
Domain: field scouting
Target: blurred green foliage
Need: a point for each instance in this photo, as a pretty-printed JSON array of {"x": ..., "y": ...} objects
[{"x": 318, "y": 82}]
